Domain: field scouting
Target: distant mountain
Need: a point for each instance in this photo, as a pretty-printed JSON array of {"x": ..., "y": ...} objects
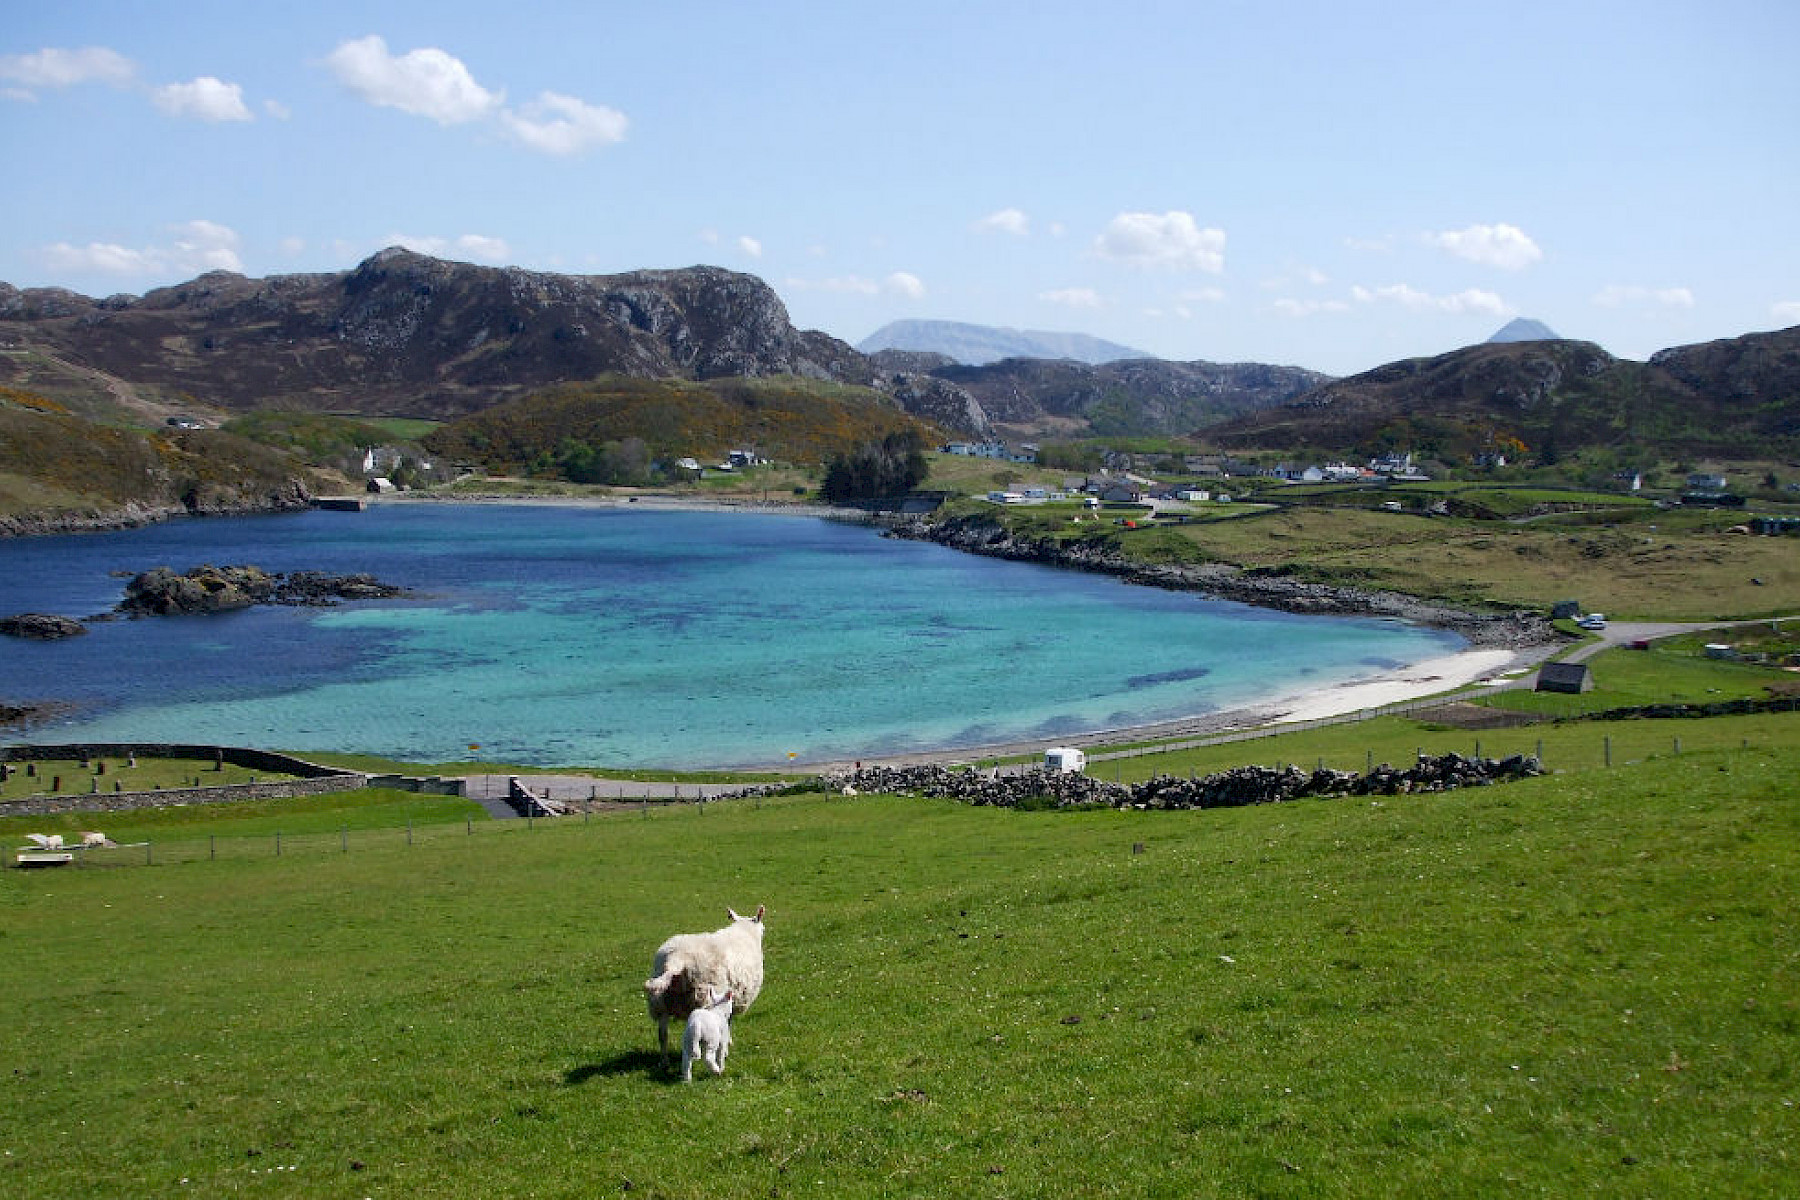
[
  {"x": 977, "y": 345},
  {"x": 1524, "y": 329},
  {"x": 1735, "y": 398}
]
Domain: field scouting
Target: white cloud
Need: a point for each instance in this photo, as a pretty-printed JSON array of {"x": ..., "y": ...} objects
[
  {"x": 1171, "y": 239},
  {"x": 1006, "y": 220},
  {"x": 194, "y": 247},
  {"x": 53, "y": 67},
  {"x": 1619, "y": 295},
  {"x": 205, "y": 99},
  {"x": 277, "y": 109},
  {"x": 1505, "y": 246},
  {"x": 1786, "y": 311},
  {"x": 1470, "y": 300},
  {"x": 104, "y": 258},
  {"x": 562, "y": 125},
  {"x": 750, "y": 246},
  {"x": 206, "y": 246},
  {"x": 1370, "y": 245},
  {"x": 475, "y": 247},
  {"x": 1205, "y": 295},
  {"x": 1073, "y": 297},
  {"x": 293, "y": 247},
  {"x": 904, "y": 283},
  {"x": 425, "y": 83}
]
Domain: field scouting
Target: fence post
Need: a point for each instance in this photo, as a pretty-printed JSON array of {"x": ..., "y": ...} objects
[
  {"x": 1678, "y": 745},
  {"x": 469, "y": 826},
  {"x": 1607, "y": 741},
  {"x": 1540, "y": 751},
  {"x": 278, "y": 843},
  {"x": 1477, "y": 747},
  {"x": 212, "y": 848},
  {"x": 344, "y": 838},
  {"x": 409, "y": 830},
  {"x": 146, "y": 854}
]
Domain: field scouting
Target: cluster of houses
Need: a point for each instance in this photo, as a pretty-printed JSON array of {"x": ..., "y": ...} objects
[
  {"x": 735, "y": 460},
  {"x": 1205, "y": 472},
  {"x": 1026, "y": 453}
]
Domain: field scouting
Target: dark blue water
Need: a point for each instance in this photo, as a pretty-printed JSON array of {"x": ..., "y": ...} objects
[{"x": 604, "y": 636}]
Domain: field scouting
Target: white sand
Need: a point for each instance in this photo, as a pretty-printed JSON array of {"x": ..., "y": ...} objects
[{"x": 1415, "y": 682}]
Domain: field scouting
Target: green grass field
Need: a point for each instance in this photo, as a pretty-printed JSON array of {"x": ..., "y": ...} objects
[{"x": 1580, "y": 984}]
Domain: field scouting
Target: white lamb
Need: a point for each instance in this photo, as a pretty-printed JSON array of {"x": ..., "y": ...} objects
[
  {"x": 691, "y": 967},
  {"x": 707, "y": 1037}
]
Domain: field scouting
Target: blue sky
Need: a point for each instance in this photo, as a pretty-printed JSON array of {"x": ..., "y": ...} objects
[{"x": 1331, "y": 185}]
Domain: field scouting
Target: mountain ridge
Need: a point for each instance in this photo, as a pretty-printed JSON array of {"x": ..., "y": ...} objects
[{"x": 977, "y": 345}]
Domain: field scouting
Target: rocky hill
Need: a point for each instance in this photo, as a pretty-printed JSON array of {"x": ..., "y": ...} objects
[
  {"x": 1737, "y": 398},
  {"x": 404, "y": 333}
]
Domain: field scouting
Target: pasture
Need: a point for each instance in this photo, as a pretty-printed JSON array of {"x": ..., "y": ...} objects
[{"x": 1585, "y": 983}]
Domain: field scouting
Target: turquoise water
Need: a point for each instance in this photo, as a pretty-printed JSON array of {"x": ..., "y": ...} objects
[{"x": 610, "y": 636}]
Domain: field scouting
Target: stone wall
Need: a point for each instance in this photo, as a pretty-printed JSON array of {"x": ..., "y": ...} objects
[
  {"x": 105, "y": 802},
  {"x": 1224, "y": 789}
]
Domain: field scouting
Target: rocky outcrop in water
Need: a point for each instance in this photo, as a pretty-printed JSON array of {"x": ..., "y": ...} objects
[
  {"x": 210, "y": 589},
  {"x": 41, "y": 627}
]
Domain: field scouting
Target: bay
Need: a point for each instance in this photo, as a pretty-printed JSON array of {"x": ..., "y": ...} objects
[{"x": 609, "y": 636}]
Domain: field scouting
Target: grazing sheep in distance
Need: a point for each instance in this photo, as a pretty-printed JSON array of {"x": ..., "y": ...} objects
[
  {"x": 690, "y": 967},
  {"x": 708, "y": 1037}
]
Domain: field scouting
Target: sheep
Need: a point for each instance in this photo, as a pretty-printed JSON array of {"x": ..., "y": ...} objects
[
  {"x": 690, "y": 967},
  {"x": 707, "y": 1037}
]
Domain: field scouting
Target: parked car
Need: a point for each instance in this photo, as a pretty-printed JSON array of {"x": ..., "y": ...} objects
[{"x": 1592, "y": 621}]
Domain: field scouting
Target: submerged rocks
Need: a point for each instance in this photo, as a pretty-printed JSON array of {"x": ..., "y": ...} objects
[{"x": 210, "y": 589}]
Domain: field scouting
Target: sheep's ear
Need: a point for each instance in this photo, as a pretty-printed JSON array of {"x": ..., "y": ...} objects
[
  {"x": 733, "y": 913},
  {"x": 759, "y": 913}
]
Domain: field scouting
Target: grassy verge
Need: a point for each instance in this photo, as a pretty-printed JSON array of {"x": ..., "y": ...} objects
[
  {"x": 147, "y": 774},
  {"x": 1581, "y": 984}
]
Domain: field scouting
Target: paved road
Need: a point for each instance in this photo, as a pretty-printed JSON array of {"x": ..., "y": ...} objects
[{"x": 585, "y": 787}]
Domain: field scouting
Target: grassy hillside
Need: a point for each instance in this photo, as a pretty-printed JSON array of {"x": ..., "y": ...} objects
[
  {"x": 1581, "y": 984},
  {"x": 1632, "y": 561},
  {"x": 52, "y": 460},
  {"x": 786, "y": 419}
]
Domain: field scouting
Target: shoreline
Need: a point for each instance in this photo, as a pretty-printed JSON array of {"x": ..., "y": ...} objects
[
  {"x": 1420, "y": 681},
  {"x": 1497, "y": 645}
]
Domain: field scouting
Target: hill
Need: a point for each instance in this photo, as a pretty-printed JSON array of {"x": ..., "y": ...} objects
[
  {"x": 404, "y": 333},
  {"x": 975, "y": 345},
  {"x": 1737, "y": 398},
  {"x": 60, "y": 471},
  {"x": 608, "y": 430},
  {"x": 1137, "y": 396}
]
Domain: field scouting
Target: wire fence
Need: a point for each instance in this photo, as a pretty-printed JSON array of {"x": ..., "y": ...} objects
[{"x": 345, "y": 840}]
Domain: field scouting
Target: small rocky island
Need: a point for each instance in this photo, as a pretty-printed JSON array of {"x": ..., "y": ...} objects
[{"x": 210, "y": 589}]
